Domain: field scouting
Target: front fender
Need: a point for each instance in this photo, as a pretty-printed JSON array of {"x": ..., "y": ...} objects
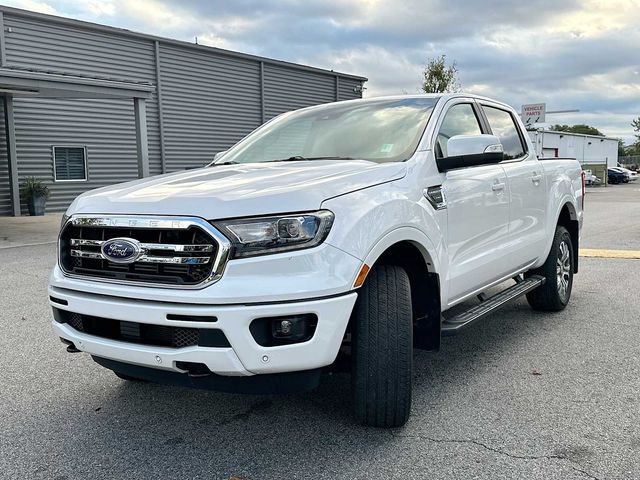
[
  {"x": 410, "y": 234},
  {"x": 369, "y": 221}
]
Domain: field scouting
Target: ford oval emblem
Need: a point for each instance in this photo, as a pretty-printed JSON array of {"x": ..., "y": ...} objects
[{"x": 121, "y": 250}]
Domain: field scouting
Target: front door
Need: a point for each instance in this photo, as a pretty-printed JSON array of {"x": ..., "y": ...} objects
[{"x": 477, "y": 210}]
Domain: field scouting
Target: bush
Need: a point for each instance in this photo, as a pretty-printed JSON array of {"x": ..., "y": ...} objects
[{"x": 32, "y": 187}]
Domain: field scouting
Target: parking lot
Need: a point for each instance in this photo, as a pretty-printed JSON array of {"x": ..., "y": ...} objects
[{"x": 521, "y": 395}]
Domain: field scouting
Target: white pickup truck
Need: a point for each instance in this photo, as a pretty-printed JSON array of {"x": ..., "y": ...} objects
[{"x": 350, "y": 228}]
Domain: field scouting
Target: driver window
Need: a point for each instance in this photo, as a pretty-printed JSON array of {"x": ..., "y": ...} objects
[{"x": 459, "y": 120}]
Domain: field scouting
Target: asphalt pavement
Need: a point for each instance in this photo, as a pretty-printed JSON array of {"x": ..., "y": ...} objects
[{"x": 521, "y": 395}]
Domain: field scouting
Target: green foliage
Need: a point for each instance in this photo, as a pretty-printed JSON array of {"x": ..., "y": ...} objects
[
  {"x": 33, "y": 187},
  {"x": 635, "y": 148},
  {"x": 636, "y": 127},
  {"x": 622, "y": 151},
  {"x": 440, "y": 78},
  {"x": 579, "y": 128}
]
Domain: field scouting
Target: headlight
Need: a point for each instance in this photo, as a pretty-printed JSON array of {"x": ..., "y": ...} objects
[
  {"x": 282, "y": 233},
  {"x": 63, "y": 220}
]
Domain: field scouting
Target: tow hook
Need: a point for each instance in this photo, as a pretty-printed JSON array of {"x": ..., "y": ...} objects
[
  {"x": 71, "y": 348},
  {"x": 193, "y": 369}
]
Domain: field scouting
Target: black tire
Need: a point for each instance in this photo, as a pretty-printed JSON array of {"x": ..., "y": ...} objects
[
  {"x": 129, "y": 378},
  {"x": 557, "y": 270},
  {"x": 382, "y": 349}
]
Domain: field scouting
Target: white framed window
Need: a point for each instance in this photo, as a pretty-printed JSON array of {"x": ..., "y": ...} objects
[{"x": 69, "y": 163}]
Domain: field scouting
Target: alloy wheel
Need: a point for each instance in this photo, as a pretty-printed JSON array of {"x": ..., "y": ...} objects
[{"x": 563, "y": 270}]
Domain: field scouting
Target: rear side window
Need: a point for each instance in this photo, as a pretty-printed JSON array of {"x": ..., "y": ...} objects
[
  {"x": 503, "y": 126},
  {"x": 459, "y": 120}
]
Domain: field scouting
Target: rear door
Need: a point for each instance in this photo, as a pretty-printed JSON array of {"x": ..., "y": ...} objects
[
  {"x": 527, "y": 189},
  {"x": 477, "y": 208}
]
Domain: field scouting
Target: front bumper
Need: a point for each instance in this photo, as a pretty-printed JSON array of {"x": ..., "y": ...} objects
[{"x": 244, "y": 358}]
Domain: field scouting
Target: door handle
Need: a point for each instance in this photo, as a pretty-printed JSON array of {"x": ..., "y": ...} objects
[
  {"x": 497, "y": 187},
  {"x": 536, "y": 177}
]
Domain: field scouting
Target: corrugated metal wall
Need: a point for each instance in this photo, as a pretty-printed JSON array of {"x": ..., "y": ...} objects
[
  {"x": 33, "y": 43},
  {"x": 5, "y": 191},
  {"x": 349, "y": 89},
  {"x": 210, "y": 101},
  {"x": 105, "y": 127},
  {"x": 287, "y": 89}
]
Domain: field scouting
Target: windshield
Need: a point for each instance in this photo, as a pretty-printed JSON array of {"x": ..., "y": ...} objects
[{"x": 379, "y": 131}]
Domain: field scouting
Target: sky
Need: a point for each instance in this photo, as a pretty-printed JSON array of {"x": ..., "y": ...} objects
[{"x": 569, "y": 54}]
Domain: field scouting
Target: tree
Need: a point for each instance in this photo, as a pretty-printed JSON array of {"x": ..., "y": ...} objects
[
  {"x": 440, "y": 78},
  {"x": 636, "y": 128},
  {"x": 634, "y": 149},
  {"x": 622, "y": 151},
  {"x": 579, "y": 128}
]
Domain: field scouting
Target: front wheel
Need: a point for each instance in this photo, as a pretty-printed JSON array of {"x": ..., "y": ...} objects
[
  {"x": 382, "y": 349},
  {"x": 557, "y": 270}
]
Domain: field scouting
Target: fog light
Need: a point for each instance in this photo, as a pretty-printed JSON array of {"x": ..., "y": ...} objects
[
  {"x": 273, "y": 331},
  {"x": 290, "y": 328},
  {"x": 283, "y": 328}
]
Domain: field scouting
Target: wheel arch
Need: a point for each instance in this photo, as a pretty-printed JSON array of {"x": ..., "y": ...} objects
[
  {"x": 568, "y": 218},
  {"x": 415, "y": 258}
]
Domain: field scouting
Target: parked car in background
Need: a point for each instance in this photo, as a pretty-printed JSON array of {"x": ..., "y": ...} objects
[
  {"x": 633, "y": 176},
  {"x": 615, "y": 176},
  {"x": 590, "y": 178},
  {"x": 353, "y": 226}
]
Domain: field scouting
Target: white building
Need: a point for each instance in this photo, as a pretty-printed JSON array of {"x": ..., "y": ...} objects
[{"x": 587, "y": 149}]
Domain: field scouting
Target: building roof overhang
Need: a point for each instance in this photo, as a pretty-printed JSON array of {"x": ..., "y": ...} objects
[{"x": 21, "y": 82}]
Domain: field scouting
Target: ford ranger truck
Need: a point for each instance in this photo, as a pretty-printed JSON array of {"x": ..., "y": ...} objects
[{"x": 350, "y": 228}]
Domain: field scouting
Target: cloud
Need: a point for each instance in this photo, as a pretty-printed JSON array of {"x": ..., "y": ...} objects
[
  {"x": 570, "y": 54},
  {"x": 35, "y": 6}
]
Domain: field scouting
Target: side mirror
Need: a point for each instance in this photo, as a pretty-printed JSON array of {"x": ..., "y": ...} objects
[{"x": 471, "y": 150}]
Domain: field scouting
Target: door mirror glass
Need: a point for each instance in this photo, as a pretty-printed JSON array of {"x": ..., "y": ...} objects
[{"x": 471, "y": 150}]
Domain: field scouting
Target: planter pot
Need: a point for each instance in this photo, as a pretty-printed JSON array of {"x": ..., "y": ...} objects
[{"x": 36, "y": 205}]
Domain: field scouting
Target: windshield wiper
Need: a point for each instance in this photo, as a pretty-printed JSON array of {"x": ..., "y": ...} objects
[
  {"x": 331, "y": 157},
  {"x": 295, "y": 158},
  {"x": 298, "y": 158},
  {"x": 230, "y": 162}
]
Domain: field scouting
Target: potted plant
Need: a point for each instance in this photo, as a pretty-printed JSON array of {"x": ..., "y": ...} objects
[{"x": 35, "y": 193}]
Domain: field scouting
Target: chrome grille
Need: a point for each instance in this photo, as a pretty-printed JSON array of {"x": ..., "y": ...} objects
[{"x": 180, "y": 251}]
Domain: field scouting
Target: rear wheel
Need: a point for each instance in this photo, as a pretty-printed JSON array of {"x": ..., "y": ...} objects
[
  {"x": 557, "y": 270},
  {"x": 382, "y": 349}
]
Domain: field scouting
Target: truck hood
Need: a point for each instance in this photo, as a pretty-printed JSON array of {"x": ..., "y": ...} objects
[{"x": 229, "y": 191}]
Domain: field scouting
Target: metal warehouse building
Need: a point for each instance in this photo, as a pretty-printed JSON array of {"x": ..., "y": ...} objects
[
  {"x": 595, "y": 153},
  {"x": 87, "y": 105}
]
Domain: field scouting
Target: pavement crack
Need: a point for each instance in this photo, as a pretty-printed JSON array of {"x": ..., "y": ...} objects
[
  {"x": 256, "y": 408},
  {"x": 580, "y": 470},
  {"x": 487, "y": 447},
  {"x": 574, "y": 465}
]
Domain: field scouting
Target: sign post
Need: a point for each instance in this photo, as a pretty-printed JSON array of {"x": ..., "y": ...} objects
[{"x": 533, "y": 113}]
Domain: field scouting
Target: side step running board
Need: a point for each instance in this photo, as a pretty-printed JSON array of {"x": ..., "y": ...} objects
[{"x": 451, "y": 326}]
